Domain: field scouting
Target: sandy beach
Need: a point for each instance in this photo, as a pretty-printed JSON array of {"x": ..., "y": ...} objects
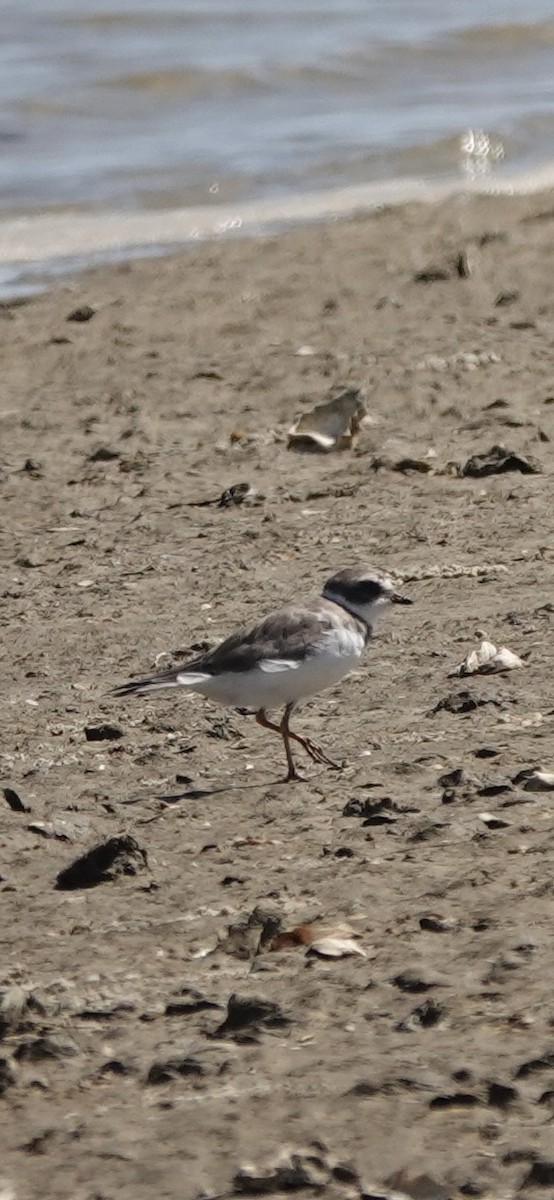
[{"x": 146, "y": 1050}]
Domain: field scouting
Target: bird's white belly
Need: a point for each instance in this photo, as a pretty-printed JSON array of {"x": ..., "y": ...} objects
[{"x": 274, "y": 683}]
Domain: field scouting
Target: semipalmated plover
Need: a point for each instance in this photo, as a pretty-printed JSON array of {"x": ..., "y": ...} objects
[{"x": 291, "y": 654}]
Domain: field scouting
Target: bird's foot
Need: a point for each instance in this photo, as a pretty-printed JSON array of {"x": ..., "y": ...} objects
[
  {"x": 318, "y": 754},
  {"x": 293, "y": 776}
]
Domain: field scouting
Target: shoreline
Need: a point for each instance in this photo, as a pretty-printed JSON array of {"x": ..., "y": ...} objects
[{"x": 37, "y": 249}]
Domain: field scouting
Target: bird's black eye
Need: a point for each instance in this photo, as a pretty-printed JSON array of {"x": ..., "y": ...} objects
[{"x": 364, "y": 591}]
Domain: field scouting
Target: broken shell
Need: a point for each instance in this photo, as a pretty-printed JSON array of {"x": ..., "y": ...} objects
[
  {"x": 503, "y": 660},
  {"x": 333, "y": 425},
  {"x": 335, "y": 947},
  {"x": 477, "y": 659},
  {"x": 487, "y": 660}
]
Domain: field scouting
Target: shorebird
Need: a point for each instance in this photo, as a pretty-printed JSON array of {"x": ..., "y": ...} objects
[{"x": 291, "y": 654}]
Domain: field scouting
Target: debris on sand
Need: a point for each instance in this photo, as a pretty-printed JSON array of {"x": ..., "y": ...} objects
[
  {"x": 487, "y": 660},
  {"x": 432, "y": 274},
  {"x": 310, "y": 1168},
  {"x": 398, "y": 455},
  {"x": 532, "y": 780},
  {"x": 292, "y": 1171},
  {"x": 323, "y": 941},
  {"x": 82, "y": 314},
  {"x": 497, "y": 461},
  {"x": 172, "y": 1068},
  {"x": 238, "y": 493},
  {"x": 333, "y": 425},
  {"x": 249, "y": 935},
  {"x": 103, "y": 732},
  {"x": 14, "y": 801},
  {"x": 103, "y": 863},
  {"x": 249, "y": 1015}
]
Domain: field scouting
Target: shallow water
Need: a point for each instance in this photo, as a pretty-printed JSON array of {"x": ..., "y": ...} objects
[{"x": 127, "y": 104}]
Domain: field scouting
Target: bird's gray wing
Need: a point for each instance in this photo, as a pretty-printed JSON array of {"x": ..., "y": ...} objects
[{"x": 287, "y": 635}]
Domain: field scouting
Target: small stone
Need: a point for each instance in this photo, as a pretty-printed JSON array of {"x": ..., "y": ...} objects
[
  {"x": 54, "y": 1045},
  {"x": 174, "y": 1068},
  {"x": 104, "y": 454},
  {"x": 249, "y": 1014},
  {"x": 436, "y": 924},
  {"x": 103, "y": 733},
  {"x": 417, "y": 980},
  {"x": 501, "y": 1095},
  {"x": 117, "y": 856},
  {"x": 84, "y": 313},
  {"x": 540, "y": 1175},
  {"x": 7, "y": 1077},
  {"x": 14, "y": 801},
  {"x": 535, "y": 780}
]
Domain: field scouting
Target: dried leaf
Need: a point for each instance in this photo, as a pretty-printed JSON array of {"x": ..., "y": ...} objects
[{"x": 333, "y": 425}]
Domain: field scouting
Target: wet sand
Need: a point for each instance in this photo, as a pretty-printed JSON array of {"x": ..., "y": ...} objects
[{"x": 127, "y": 1069}]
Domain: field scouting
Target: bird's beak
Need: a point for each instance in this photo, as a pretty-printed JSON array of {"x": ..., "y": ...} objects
[{"x": 397, "y": 598}]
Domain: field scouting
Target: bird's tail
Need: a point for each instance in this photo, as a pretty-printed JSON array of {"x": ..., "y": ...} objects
[{"x": 154, "y": 683}]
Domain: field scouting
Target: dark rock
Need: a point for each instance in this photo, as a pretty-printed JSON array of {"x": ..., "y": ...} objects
[
  {"x": 16, "y": 804},
  {"x": 251, "y": 933},
  {"x": 496, "y": 461},
  {"x": 193, "y": 1002},
  {"x": 236, "y": 494},
  {"x": 84, "y": 313},
  {"x": 463, "y": 265},
  {"x": 436, "y": 924},
  {"x": 364, "y": 1088},
  {"x": 54, "y": 1045},
  {"x": 415, "y": 981},
  {"x": 425, "y": 1016},
  {"x": 103, "y": 733},
  {"x": 173, "y": 1068},
  {"x": 114, "y": 1066},
  {"x": 494, "y": 789},
  {"x": 426, "y": 830},
  {"x": 32, "y": 467},
  {"x": 251, "y": 1014},
  {"x": 7, "y": 1077},
  {"x": 458, "y": 702},
  {"x": 501, "y": 1095},
  {"x": 294, "y": 1171},
  {"x": 540, "y": 1175},
  {"x": 117, "y": 856},
  {"x": 544, "y": 1063},
  {"x": 103, "y": 454},
  {"x": 455, "y": 1100},
  {"x": 383, "y": 811},
  {"x": 432, "y": 274},
  {"x": 504, "y": 298},
  {"x": 457, "y": 778}
]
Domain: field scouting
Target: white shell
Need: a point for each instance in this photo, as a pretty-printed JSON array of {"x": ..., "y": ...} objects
[{"x": 487, "y": 659}]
